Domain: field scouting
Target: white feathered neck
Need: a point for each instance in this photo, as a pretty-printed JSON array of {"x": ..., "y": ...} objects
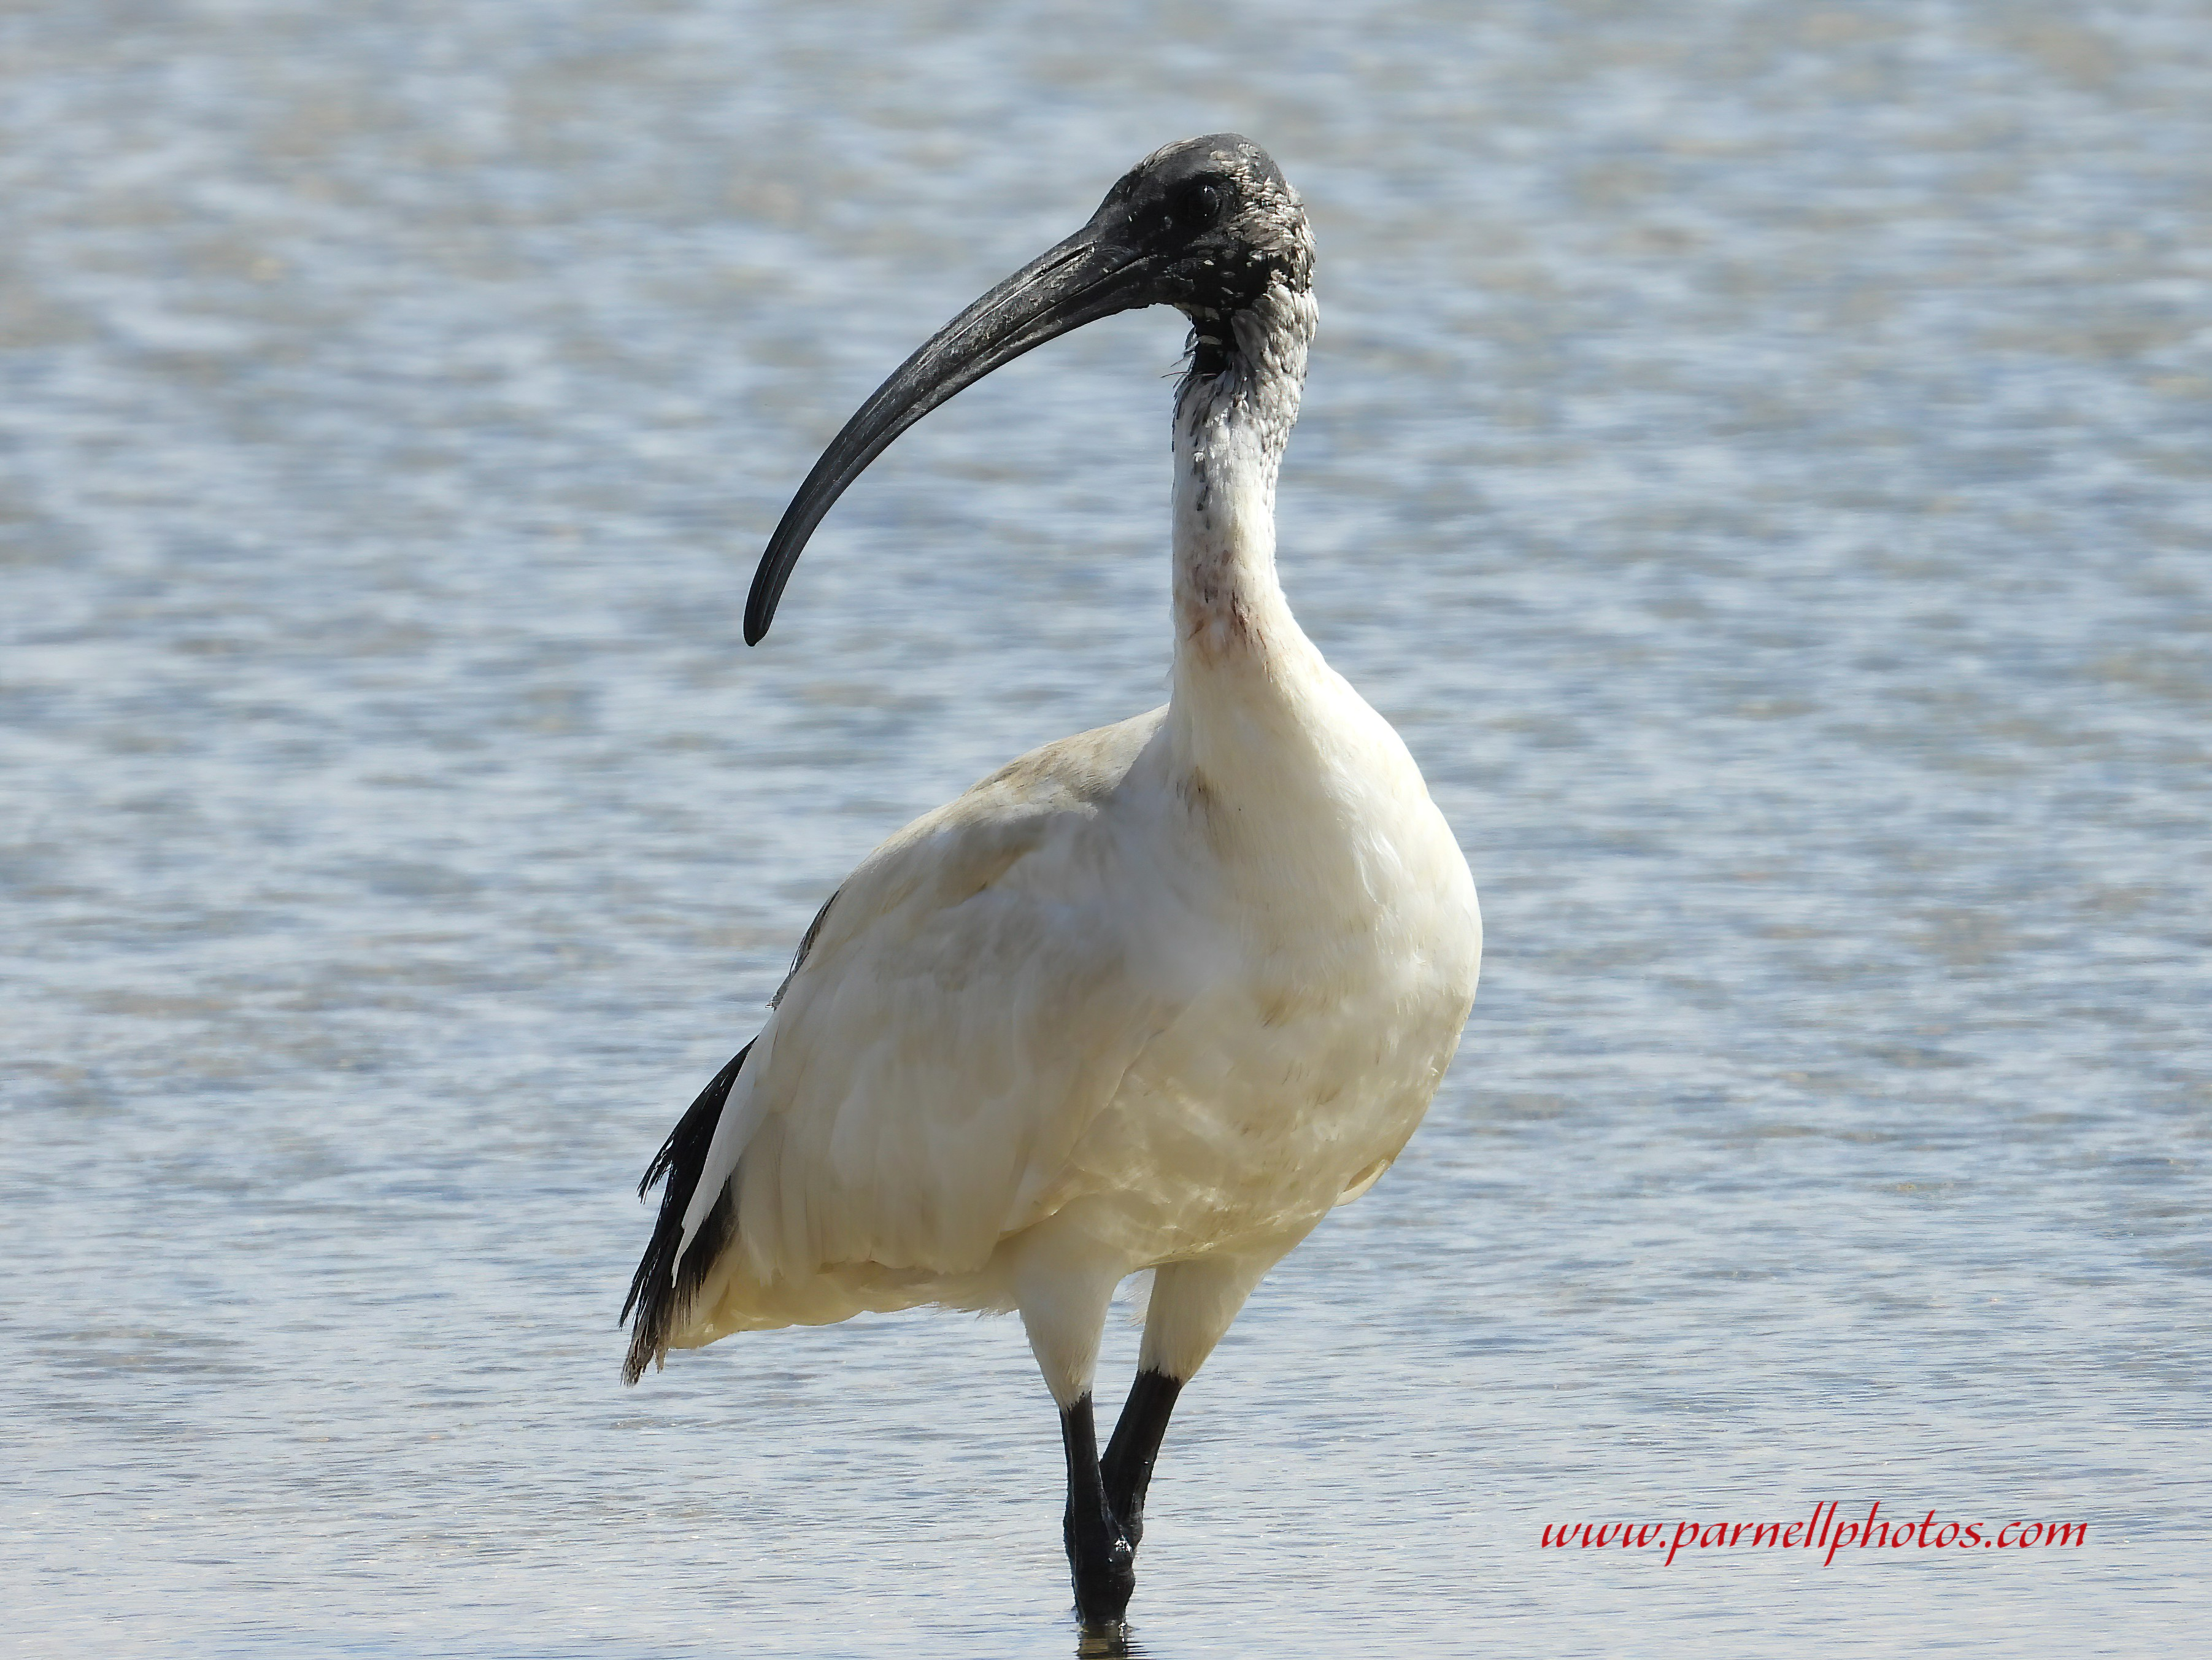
[{"x": 1231, "y": 429}]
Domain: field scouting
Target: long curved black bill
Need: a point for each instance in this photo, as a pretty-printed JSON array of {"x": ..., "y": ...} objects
[{"x": 1080, "y": 280}]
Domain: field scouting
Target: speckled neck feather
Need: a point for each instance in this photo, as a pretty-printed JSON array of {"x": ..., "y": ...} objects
[{"x": 1232, "y": 423}]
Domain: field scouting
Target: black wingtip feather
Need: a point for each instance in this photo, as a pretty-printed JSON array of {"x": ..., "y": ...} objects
[{"x": 661, "y": 1290}]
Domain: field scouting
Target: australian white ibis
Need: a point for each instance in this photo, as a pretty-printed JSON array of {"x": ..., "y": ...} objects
[{"x": 1155, "y": 996}]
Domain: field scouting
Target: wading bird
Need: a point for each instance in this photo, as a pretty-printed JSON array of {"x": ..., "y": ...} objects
[{"x": 1155, "y": 996}]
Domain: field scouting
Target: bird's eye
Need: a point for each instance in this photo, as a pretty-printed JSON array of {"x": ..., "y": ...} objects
[{"x": 1205, "y": 203}]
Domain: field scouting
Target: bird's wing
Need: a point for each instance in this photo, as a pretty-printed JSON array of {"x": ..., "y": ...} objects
[{"x": 964, "y": 1006}]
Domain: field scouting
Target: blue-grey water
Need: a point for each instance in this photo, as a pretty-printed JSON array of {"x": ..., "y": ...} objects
[{"x": 1756, "y": 452}]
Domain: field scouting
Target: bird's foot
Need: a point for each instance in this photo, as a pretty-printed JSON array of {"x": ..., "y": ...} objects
[
  {"x": 1101, "y": 1593},
  {"x": 1101, "y": 1561}
]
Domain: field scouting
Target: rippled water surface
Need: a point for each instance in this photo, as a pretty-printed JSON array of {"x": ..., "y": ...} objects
[{"x": 1756, "y": 453}]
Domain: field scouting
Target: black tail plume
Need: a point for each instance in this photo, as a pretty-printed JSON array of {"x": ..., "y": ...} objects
[{"x": 662, "y": 1289}]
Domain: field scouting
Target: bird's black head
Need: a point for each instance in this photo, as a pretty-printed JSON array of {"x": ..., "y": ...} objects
[
  {"x": 1208, "y": 226},
  {"x": 1214, "y": 223}
]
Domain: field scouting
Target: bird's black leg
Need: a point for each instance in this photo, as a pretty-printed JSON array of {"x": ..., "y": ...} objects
[
  {"x": 1099, "y": 1557},
  {"x": 1127, "y": 1470}
]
